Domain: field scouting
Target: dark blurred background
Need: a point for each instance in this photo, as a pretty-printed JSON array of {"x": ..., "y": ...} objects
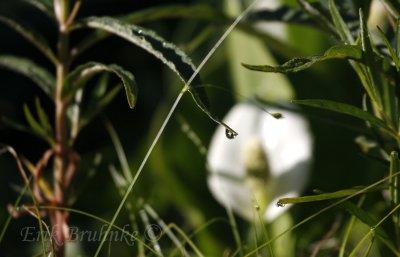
[{"x": 174, "y": 181}]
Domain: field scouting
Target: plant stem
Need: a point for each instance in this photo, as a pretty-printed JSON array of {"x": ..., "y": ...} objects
[{"x": 58, "y": 217}]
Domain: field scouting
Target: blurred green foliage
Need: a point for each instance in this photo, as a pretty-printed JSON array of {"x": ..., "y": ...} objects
[{"x": 174, "y": 182}]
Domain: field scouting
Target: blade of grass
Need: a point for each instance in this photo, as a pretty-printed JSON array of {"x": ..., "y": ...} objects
[
  {"x": 371, "y": 243},
  {"x": 340, "y": 24},
  {"x": 150, "y": 233},
  {"x": 348, "y": 230},
  {"x": 120, "y": 150},
  {"x": 186, "y": 238},
  {"x": 164, "y": 226},
  {"x": 235, "y": 230}
]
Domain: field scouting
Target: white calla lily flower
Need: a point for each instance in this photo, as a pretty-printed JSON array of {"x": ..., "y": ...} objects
[{"x": 268, "y": 160}]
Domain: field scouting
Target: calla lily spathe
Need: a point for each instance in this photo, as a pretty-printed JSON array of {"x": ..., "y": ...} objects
[{"x": 268, "y": 160}]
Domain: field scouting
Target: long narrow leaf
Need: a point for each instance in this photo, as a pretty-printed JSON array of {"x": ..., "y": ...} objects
[
  {"x": 374, "y": 78},
  {"x": 36, "y": 126},
  {"x": 394, "y": 181},
  {"x": 31, "y": 70},
  {"x": 123, "y": 160},
  {"x": 347, "y": 52},
  {"x": 43, "y": 118},
  {"x": 345, "y": 109},
  {"x": 314, "y": 11},
  {"x": 32, "y": 36},
  {"x": 390, "y": 48},
  {"x": 45, "y": 6},
  {"x": 13, "y": 124},
  {"x": 196, "y": 11},
  {"x": 340, "y": 24},
  {"x": 81, "y": 74},
  {"x": 324, "y": 196}
]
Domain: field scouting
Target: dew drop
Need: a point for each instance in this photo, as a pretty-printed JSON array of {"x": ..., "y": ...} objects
[
  {"x": 257, "y": 207},
  {"x": 280, "y": 204},
  {"x": 230, "y": 134},
  {"x": 277, "y": 115},
  {"x": 140, "y": 31}
]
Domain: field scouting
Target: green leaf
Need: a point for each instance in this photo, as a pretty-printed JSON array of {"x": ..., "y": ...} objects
[
  {"x": 325, "y": 196},
  {"x": 15, "y": 125},
  {"x": 123, "y": 160},
  {"x": 32, "y": 36},
  {"x": 390, "y": 48},
  {"x": 101, "y": 87},
  {"x": 120, "y": 181},
  {"x": 345, "y": 109},
  {"x": 98, "y": 100},
  {"x": 200, "y": 11},
  {"x": 36, "y": 127},
  {"x": 347, "y": 52},
  {"x": 77, "y": 78},
  {"x": 371, "y": 73},
  {"x": 31, "y": 70},
  {"x": 340, "y": 24},
  {"x": 45, "y": 6},
  {"x": 97, "y": 106},
  {"x": 167, "y": 52},
  {"x": 43, "y": 118},
  {"x": 317, "y": 13},
  {"x": 365, "y": 36},
  {"x": 397, "y": 37},
  {"x": 284, "y": 14},
  {"x": 394, "y": 180},
  {"x": 196, "y": 11}
]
